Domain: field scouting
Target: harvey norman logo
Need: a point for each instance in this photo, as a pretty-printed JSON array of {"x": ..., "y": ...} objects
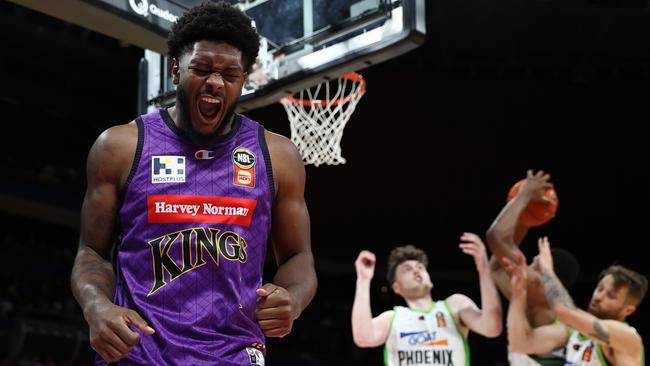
[
  {"x": 142, "y": 7},
  {"x": 170, "y": 208}
]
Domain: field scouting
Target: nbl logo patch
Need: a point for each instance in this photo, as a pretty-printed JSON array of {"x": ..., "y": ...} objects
[
  {"x": 243, "y": 167},
  {"x": 167, "y": 169}
]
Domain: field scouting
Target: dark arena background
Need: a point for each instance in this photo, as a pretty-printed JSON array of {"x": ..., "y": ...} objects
[{"x": 442, "y": 133}]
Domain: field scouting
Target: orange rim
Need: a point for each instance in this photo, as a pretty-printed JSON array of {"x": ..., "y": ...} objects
[{"x": 323, "y": 102}]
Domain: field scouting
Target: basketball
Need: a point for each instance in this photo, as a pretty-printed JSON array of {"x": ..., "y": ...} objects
[{"x": 536, "y": 213}]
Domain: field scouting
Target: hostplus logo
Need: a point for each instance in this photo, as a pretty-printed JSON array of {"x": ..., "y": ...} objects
[{"x": 167, "y": 169}]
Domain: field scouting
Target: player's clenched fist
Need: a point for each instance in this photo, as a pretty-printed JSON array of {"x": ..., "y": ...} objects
[
  {"x": 274, "y": 312},
  {"x": 365, "y": 265}
]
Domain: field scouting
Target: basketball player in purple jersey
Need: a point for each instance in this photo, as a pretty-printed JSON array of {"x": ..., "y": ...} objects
[{"x": 179, "y": 208}]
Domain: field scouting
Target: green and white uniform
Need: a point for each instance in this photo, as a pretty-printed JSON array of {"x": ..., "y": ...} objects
[
  {"x": 555, "y": 358},
  {"x": 430, "y": 337},
  {"x": 583, "y": 351}
]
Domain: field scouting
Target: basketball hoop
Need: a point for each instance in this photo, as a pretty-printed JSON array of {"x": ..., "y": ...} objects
[{"x": 318, "y": 115}]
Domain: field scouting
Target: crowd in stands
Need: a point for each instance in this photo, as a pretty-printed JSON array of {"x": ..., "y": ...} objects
[
  {"x": 40, "y": 322},
  {"x": 46, "y": 174}
]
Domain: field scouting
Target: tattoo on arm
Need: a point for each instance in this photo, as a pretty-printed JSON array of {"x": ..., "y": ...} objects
[
  {"x": 600, "y": 334},
  {"x": 555, "y": 291}
]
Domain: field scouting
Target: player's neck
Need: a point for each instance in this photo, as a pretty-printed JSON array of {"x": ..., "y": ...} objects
[{"x": 420, "y": 303}]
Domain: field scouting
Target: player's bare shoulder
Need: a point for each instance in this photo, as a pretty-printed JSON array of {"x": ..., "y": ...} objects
[
  {"x": 116, "y": 138},
  {"x": 458, "y": 302},
  {"x": 280, "y": 146},
  {"x": 285, "y": 159},
  {"x": 113, "y": 151}
]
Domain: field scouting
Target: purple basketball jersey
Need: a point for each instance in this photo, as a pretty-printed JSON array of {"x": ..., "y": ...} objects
[{"x": 194, "y": 227}]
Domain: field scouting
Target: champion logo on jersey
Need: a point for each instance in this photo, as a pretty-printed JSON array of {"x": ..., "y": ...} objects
[
  {"x": 167, "y": 169},
  {"x": 204, "y": 154},
  {"x": 243, "y": 167}
]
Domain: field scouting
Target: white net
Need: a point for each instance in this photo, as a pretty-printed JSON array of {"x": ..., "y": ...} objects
[{"x": 318, "y": 116}]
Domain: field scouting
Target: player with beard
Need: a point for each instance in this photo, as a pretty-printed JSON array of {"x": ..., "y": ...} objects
[
  {"x": 597, "y": 337},
  {"x": 179, "y": 208},
  {"x": 426, "y": 332}
]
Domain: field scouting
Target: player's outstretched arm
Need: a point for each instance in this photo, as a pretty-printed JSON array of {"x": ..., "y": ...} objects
[
  {"x": 488, "y": 320},
  {"x": 366, "y": 330},
  {"x": 618, "y": 335},
  {"x": 505, "y": 234},
  {"x": 621, "y": 337}
]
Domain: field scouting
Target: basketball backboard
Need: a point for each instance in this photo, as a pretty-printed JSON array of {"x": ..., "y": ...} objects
[{"x": 305, "y": 42}]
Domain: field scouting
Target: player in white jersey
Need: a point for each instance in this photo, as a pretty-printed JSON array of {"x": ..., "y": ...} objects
[
  {"x": 427, "y": 332},
  {"x": 599, "y": 337}
]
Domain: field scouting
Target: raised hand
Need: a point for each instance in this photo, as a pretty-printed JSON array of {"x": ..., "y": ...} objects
[
  {"x": 535, "y": 186},
  {"x": 110, "y": 333},
  {"x": 274, "y": 310},
  {"x": 471, "y": 244},
  {"x": 545, "y": 258},
  {"x": 365, "y": 265}
]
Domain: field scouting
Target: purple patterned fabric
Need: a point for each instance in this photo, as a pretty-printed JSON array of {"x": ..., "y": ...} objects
[{"x": 194, "y": 227}]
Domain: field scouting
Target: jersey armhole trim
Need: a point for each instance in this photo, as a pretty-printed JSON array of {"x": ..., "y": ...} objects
[
  {"x": 601, "y": 357},
  {"x": 390, "y": 329},
  {"x": 642, "y": 355},
  {"x": 267, "y": 159},
  {"x": 138, "y": 154},
  {"x": 456, "y": 324},
  {"x": 453, "y": 317}
]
